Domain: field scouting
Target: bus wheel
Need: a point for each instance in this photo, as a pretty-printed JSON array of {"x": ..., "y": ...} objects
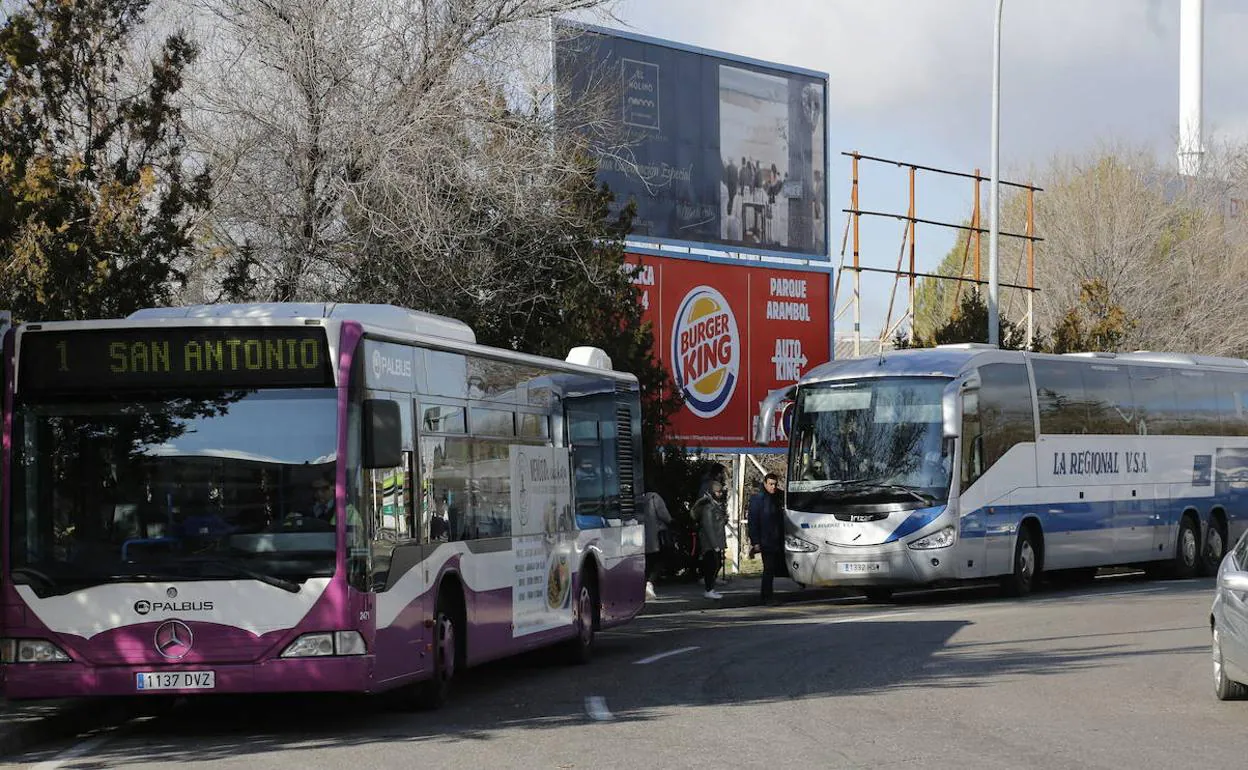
[
  {"x": 434, "y": 692},
  {"x": 1215, "y": 548},
  {"x": 1223, "y": 686},
  {"x": 1026, "y": 565},
  {"x": 1186, "y": 549},
  {"x": 878, "y": 594},
  {"x": 581, "y": 646}
]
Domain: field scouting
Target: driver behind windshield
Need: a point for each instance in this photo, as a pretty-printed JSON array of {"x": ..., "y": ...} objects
[{"x": 322, "y": 499}]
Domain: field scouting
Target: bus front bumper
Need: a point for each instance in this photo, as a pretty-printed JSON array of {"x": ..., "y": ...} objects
[
  {"x": 891, "y": 564},
  {"x": 24, "y": 681}
]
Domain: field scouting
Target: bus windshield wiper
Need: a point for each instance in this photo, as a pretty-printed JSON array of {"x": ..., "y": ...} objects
[
  {"x": 242, "y": 570},
  {"x": 863, "y": 485}
]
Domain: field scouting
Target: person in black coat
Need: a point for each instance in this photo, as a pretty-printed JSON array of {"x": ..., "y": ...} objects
[{"x": 766, "y": 522}]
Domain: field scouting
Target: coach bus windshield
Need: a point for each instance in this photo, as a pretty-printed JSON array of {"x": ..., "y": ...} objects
[
  {"x": 221, "y": 485},
  {"x": 870, "y": 441}
]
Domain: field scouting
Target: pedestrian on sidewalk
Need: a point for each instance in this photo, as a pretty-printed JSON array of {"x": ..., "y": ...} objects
[
  {"x": 711, "y": 513},
  {"x": 766, "y": 522},
  {"x": 655, "y": 517}
]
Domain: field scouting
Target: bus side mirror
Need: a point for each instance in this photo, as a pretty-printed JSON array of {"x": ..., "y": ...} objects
[{"x": 383, "y": 434}]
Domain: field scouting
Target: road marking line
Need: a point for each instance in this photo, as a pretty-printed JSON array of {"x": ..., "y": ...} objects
[
  {"x": 662, "y": 655},
  {"x": 596, "y": 707},
  {"x": 75, "y": 752}
]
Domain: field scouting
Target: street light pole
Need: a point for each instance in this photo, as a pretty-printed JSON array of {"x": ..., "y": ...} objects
[{"x": 994, "y": 201}]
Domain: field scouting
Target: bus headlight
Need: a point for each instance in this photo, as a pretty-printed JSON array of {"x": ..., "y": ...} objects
[
  {"x": 942, "y": 538},
  {"x": 31, "y": 651},
  {"x": 326, "y": 644},
  {"x": 795, "y": 543}
]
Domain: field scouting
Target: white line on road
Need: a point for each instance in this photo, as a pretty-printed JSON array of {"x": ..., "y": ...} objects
[
  {"x": 596, "y": 707},
  {"x": 75, "y": 752},
  {"x": 662, "y": 655}
]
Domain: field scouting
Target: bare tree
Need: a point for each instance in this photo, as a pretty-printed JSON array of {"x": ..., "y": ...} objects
[
  {"x": 346, "y": 132},
  {"x": 1164, "y": 250}
]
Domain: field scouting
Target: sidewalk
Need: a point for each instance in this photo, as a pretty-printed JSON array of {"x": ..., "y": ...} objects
[{"x": 739, "y": 591}]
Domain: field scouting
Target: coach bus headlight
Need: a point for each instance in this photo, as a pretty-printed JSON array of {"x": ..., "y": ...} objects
[
  {"x": 940, "y": 539},
  {"x": 795, "y": 543},
  {"x": 325, "y": 645},
  {"x": 31, "y": 651}
]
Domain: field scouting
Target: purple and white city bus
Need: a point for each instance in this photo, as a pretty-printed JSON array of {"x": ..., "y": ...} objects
[{"x": 305, "y": 497}]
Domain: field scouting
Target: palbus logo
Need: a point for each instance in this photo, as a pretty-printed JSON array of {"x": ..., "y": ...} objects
[{"x": 706, "y": 351}]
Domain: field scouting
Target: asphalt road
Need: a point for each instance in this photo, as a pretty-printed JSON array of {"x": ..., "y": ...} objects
[{"x": 1111, "y": 675}]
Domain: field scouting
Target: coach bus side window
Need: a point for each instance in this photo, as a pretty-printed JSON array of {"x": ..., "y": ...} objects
[
  {"x": 1111, "y": 408},
  {"x": 1005, "y": 410},
  {"x": 1198, "y": 407},
  {"x": 1232, "y": 392},
  {"x": 1156, "y": 408},
  {"x": 972, "y": 439},
  {"x": 1060, "y": 397}
]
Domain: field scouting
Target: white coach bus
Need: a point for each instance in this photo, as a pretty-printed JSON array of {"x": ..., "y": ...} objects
[{"x": 966, "y": 462}]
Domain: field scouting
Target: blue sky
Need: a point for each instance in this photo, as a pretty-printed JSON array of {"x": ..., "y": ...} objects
[{"x": 911, "y": 80}]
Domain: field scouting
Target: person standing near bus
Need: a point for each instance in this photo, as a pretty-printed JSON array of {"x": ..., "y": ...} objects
[
  {"x": 766, "y": 522},
  {"x": 656, "y": 518},
  {"x": 711, "y": 514}
]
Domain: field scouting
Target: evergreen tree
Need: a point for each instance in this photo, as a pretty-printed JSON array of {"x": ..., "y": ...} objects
[{"x": 96, "y": 195}]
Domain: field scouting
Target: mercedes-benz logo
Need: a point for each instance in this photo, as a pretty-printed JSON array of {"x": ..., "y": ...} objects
[{"x": 174, "y": 639}]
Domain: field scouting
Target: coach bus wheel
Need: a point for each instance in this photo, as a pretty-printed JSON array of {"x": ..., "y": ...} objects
[
  {"x": 1186, "y": 549},
  {"x": 434, "y": 691},
  {"x": 1026, "y": 565},
  {"x": 878, "y": 594},
  {"x": 582, "y": 645},
  {"x": 1215, "y": 548},
  {"x": 1223, "y": 686}
]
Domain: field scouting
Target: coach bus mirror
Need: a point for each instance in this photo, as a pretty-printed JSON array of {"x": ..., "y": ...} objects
[
  {"x": 769, "y": 410},
  {"x": 949, "y": 413},
  {"x": 383, "y": 434}
]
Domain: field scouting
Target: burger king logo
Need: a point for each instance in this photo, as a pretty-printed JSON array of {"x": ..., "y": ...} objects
[{"x": 706, "y": 351}]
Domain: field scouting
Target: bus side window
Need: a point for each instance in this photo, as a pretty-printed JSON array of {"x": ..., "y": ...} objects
[{"x": 972, "y": 439}]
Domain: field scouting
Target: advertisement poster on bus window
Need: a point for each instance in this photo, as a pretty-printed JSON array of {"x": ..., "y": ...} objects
[
  {"x": 542, "y": 539},
  {"x": 729, "y": 335}
]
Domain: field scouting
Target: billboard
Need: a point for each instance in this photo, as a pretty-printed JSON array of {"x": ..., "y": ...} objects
[
  {"x": 715, "y": 151},
  {"x": 730, "y": 334}
]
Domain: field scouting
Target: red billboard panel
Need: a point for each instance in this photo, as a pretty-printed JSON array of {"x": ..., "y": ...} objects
[{"x": 730, "y": 334}]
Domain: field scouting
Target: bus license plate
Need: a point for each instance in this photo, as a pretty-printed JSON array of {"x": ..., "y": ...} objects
[
  {"x": 863, "y": 567},
  {"x": 175, "y": 680}
]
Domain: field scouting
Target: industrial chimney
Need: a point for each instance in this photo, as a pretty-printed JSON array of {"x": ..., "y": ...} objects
[{"x": 1191, "y": 97}]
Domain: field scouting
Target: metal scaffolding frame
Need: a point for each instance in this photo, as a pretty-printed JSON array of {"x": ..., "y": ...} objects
[{"x": 911, "y": 221}]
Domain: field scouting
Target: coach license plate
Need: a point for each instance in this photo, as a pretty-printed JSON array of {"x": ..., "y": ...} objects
[
  {"x": 175, "y": 680},
  {"x": 862, "y": 567}
]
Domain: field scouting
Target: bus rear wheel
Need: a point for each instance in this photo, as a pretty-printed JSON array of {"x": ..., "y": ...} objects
[{"x": 1215, "y": 548}]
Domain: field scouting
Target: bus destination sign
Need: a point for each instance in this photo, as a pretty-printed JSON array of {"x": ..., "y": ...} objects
[{"x": 177, "y": 357}]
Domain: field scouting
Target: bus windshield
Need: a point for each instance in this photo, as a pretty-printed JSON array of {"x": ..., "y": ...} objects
[
  {"x": 869, "y": 441},
  {"x": 221, "y": 485}
]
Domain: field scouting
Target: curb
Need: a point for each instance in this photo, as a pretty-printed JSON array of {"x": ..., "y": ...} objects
[
  {"x": 26, "y": 725},
  {"x": 673, "y": 603}
]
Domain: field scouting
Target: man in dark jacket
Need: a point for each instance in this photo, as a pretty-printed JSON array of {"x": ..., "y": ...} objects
[{"x": 766, "y": 520}]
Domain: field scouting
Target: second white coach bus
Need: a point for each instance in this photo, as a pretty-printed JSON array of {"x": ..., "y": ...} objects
[{"x": 966, "y": 462}]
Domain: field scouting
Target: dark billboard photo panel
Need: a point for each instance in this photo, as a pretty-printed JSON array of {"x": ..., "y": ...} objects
[{"x": 714, "y": 151}]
